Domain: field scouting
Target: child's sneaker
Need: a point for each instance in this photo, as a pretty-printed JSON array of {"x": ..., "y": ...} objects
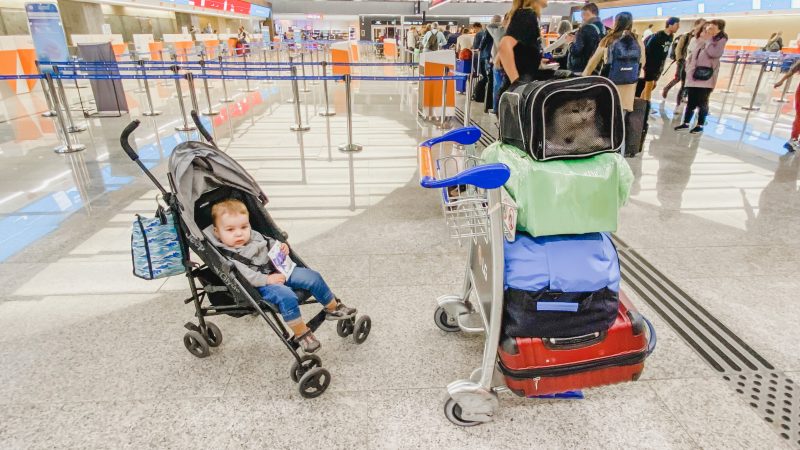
[
  {"x": 308, "y": 342},
  {"x": 341, "y": 312}
]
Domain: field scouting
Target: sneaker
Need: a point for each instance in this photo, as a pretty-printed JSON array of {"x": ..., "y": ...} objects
[
  {"x": 697, "y": 130},
  {"x": 341, "y": 312},
  {"x": 308, "y": 342},
  {"x": 682, "y": 127},
  {"x": 790, "y": 146}
]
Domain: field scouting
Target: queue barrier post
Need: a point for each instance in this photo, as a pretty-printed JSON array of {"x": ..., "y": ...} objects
[
  {"x": 186, "y": 126},
  {"x": 444, "y": 125},
  {"x": 298, "y": 117},
  {"x": 192, "y": 92},
  {"x": 293, "y": 68},
  {"x": 68, "y": 146},
  {"x": 327, "y": 112},
  {"x": 728, "y": 90},
  {"x": 72, "y": 127},
  {"x": 314, "y": 58},
  {"x": 785, "y": 91},
  {"x": 266, "y": 68},
  {"x": 210, "y": 111},
  {"x": 468, "y": 100},
  {"x": 744, "y": 69},
  {"x": 51, "y": 111},
  {"x": 150, "y": 111},
  {"x": 246, "y": 75},
  {"x": 225, "y": 97},
  {"x": 303, "y": 70},
  {"x": 350, "y": 146}
]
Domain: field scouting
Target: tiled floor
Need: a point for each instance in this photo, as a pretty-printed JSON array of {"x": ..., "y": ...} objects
[{"x": 92, "y": 357}]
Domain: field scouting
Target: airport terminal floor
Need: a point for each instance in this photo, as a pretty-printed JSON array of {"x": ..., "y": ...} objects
[{"x": 93, "y": 357}]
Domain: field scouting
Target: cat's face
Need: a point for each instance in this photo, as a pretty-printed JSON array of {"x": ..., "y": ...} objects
[{"x": 575, "y": 113}]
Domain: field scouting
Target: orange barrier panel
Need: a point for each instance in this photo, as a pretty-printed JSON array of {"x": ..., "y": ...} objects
[
  {"x": 390, "y": 49},
  {"x": 340, "y": 56},
  {"x": 27, "y": 59},
  {"x": 354, "y": 51},
  {"x": 155, "y": 50},
  {"x": 212, "y": 47},
  {"x": 232, "y": 46},
  {"x": 433, "y": 89},
  {"x": 119, "y": 50},
  {"x": 8, "y": 66},
  {"x": 182, "y": 49}
]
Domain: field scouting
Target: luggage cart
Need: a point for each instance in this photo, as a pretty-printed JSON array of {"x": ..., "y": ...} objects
[{"x": 476, "y": 213}]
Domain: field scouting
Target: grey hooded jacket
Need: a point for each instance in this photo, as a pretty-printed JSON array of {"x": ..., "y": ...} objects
[
  {"x": 497, "y": 31},
  {"x": 257, "y": 251}
]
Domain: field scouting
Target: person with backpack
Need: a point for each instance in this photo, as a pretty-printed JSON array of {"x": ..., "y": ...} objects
[
  {"x": 586, "y": 39},
  {"x": 702, "y": 70},
  {"x": 623, "y": 54},
  {"x": 679, "y": 53},
  {"x": 433, "y": 40},
  {"x": 657, "y": 49},
  {"x": 775, "y": 43}
]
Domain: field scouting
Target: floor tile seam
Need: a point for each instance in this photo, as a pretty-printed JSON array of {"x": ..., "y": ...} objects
[
  {"x": 685, "y": 247},
  {"x": 673, "y": 414}
]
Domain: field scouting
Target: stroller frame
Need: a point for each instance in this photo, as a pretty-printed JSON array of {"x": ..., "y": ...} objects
[{"x": 225, "y": 280}]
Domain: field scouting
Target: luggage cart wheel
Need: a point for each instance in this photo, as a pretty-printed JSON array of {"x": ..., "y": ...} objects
[
  {"x": 444, "y": 321},
  {"x": 452, "y": 410},
  {"x": 314, "y": 382},
  {"x": 345, "y": 328},
  {"x": 213, "y": 335},
  {"x": 196, "y": 344},
  {"x": 362, "y": 328},
  {"x": 307, "y": 362}
]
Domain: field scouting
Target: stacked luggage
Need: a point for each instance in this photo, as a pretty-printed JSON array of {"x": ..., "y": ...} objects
[{"x": 566, "y": 325}]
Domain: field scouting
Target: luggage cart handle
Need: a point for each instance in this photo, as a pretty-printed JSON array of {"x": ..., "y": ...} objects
[
  {"x": 463, "y": 136},
  {"x": 489, "y": 176}
]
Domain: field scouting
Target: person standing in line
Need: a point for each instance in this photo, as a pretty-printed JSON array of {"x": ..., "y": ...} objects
[
  {"x": 438, "y": 41},
  {"x": 648, "y": 32},
  {"x": 495, "y": 32},
  {"x": 476, "y": 46},
  {"x": 702, "y": 70},
  {"x": 520, "y": 53},
  {"x": 411, "y": 38},
  {"x": 621, "y": 43},
  {"x": 775, "y": 42},
  {"x": 585, "y": 41},
  {"x": 467, "y": 38},
  {"x": 452, "y": 39},
  {"x": 794, "y": 141},
  {"x": 681, "y": 53},
  {"x": 560, "y": 47},
  {"x": 657, "y": 49}
]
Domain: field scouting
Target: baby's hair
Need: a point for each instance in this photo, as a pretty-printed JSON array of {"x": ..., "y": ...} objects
[{"x": 228, "y": 206}]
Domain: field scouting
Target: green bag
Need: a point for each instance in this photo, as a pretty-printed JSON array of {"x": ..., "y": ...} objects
[{"x": 571, "y": 196}]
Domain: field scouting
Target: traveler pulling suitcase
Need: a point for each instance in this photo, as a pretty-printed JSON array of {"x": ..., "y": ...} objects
[
  {"x": 636, "y": 126},
  {"x": 544, "y": 366}
]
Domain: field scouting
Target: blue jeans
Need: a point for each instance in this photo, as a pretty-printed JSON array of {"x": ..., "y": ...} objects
[
  {"x": 282, "y": 295},
  {"x": 499, "y": 76}
]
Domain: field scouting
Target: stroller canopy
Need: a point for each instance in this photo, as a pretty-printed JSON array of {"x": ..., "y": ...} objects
[{"x": 197, "y": 168}]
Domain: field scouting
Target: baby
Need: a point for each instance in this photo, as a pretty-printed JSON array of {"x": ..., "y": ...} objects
[{"x": 231, "y": 227}]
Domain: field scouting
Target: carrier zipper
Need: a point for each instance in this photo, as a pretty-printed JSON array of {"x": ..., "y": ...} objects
[{"x": 620, "y": 360}]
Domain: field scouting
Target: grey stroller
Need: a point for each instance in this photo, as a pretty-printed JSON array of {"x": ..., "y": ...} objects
[{"x": 199, "y": 176}]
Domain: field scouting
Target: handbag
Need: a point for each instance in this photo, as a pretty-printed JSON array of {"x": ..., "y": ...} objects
[
  {"x": 702, "y": 73},
  {"x": 155, "y": 246}
]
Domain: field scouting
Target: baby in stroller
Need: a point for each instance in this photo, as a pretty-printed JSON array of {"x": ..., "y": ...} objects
[{"x": 249, "y": 250}]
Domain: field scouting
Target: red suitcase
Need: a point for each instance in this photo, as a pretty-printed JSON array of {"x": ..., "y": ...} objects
[{"x": 534, "y": 367}]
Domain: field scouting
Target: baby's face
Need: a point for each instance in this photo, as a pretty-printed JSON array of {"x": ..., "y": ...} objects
[{"x": 233, "y": 230}]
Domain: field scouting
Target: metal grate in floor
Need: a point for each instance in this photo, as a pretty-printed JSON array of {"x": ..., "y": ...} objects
[{"x": 774, "y": 396}]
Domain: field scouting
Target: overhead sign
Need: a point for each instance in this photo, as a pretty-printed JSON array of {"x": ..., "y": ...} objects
[
  {"x": 47, "y": 33},
  {"x": 386, "y": 22},
  {"x": 435, "y": 3}
]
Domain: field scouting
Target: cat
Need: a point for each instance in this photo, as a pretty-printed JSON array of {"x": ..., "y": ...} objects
[{"x": 573, "y": 128}]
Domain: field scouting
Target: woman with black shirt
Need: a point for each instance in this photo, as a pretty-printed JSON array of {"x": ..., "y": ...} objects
[{"x": 520, "y": 49}]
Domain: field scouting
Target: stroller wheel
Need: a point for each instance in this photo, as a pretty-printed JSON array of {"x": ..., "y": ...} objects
[
  {"x": 213, "y": 335},
  {"x": 314, "y": 382},
  {"x": 452, "y": 410},
  {"x": 196, "y": 344},
  {"x": 307, "y": 362},
  {"x": 444, "y": 321},
  {"x": 362, "y": 328},
  {"x": 344, "y": 328}
]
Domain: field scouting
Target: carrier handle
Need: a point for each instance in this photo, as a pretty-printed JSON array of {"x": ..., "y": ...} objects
[
  {"x": 463, "y": 136},
  {"x": 126, "y": 145},
  {"x": 202, "y": 129},
  {"x": 653, "y": 340}
]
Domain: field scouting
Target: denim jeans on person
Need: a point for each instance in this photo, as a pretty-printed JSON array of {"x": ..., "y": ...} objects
[
  {"x": 283, "y": 296},
  {"x": 499, "y": 78}
]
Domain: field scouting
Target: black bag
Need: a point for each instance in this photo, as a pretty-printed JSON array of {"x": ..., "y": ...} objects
[
  {"x": 489, "y": 94},
  {"x": 636, "y": 126},
  {"x": 557, "y": 314},
  {"x": 479, "y": 90},
  {"x": 530, "y": 113},
  {"x": 702, "y": 73}
]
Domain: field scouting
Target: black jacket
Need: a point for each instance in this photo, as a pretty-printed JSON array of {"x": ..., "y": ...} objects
[{"x": 587, "y": 39}]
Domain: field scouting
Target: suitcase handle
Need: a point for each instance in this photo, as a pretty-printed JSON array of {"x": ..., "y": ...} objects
[{"x": 652, "y": 339}]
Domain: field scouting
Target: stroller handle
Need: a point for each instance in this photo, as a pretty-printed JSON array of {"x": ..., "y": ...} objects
[
  {"x": 126, "y": 145},
  {"x": 202, "y": 129},
  {"x": 123, "y": 140}
]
